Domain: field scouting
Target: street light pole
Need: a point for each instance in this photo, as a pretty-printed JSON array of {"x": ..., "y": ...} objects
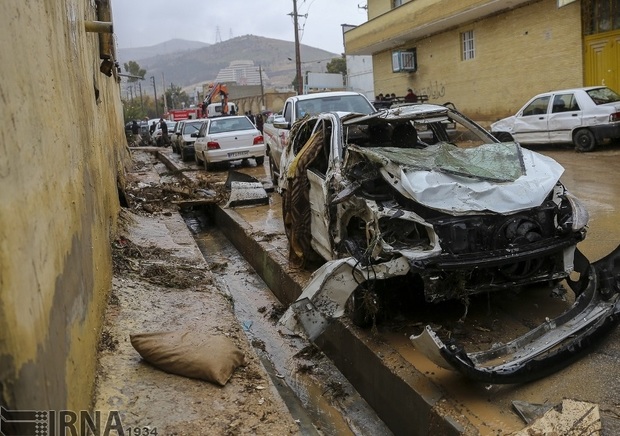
[{"x": 155, "y": 92}]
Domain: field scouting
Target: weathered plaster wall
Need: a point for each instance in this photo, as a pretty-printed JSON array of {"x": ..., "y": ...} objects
[
  {"x": 519, "y": 53},
  {"x": 61, "y": 148}
]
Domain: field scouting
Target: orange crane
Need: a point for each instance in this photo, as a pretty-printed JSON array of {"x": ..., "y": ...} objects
[{"x": 222, "y": 90}]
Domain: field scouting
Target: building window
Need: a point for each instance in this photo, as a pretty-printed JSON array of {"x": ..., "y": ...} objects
[
  {"x": 600, "y": 16},
  {"x": 467, "y": 42},
  {"x": 404, "y": 60},
  {"x": 397, "y": 3}
]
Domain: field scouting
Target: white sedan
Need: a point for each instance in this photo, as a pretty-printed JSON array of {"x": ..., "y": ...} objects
[
  {"x": 226, "y": 139},
  {"x": 585, "y": 117}
]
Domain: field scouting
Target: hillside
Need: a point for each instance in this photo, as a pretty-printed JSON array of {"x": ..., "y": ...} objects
[
  {"x": 168, "y": 47},
  {"x": 190, "y": 67}
]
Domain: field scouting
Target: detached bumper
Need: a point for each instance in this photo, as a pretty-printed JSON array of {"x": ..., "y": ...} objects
[{"x": 551, "y": 346}]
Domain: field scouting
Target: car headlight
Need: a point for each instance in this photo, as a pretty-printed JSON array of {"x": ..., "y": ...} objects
[{"x": 580, "y": 213}]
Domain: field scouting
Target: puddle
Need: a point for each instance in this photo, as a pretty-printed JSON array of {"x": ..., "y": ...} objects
[{"x": 314, "y": 390}]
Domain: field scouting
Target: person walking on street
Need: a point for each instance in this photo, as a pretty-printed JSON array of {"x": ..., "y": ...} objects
[
  {"x": 259, "y": 122},
  {"x": 164, "y": 132},
  {"x": 135, "y": 134}
]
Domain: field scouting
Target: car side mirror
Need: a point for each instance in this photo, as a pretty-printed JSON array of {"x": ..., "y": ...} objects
[
  {"x": 281, "y": 123},
  {"x": 194, "y": 135}
]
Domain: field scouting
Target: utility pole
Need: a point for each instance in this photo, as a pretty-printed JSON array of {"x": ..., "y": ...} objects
[
  {"x": 155, "y": 92},
  {"x": 141, "y": 101},
  {"x": 262, "y": 90},
  {"x": 163, "y": 81},
  {"x": 297, "y": 51}
]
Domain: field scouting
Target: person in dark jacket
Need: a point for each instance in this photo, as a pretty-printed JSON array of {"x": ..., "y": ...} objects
[
  {"x": 165, "y": 141},
  {"x": 411, "y": 97}
]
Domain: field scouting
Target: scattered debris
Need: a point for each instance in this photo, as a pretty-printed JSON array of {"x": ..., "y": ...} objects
[{"x": 570, "y": 418}]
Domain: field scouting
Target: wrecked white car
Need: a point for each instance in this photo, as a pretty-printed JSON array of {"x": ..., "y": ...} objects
[{"x": 424, "y": 194}]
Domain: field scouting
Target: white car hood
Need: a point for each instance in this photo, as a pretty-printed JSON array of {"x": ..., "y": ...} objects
[{"x": 501, "y": 178}]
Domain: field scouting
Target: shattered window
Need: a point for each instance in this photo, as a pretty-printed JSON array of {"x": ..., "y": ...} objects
[
  {"x": 603, "y": 95},
  {"x": 494, "y": 162}
]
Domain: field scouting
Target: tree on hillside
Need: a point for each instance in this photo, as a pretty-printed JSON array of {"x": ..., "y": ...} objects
[
  {"x": 133, "y": 68},
  {"x": 176, "y": 97},
  {"x": 337, "y": 65}
]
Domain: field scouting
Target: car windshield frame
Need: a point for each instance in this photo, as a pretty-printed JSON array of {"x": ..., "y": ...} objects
[
  {"x": 187, "y": 127},
  {"x": 338, "y": 103},
  {"x": 227, "y": 125}
]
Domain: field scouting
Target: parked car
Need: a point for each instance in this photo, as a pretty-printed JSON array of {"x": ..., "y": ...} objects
[
  {"x": 585, "y": 117},
  {"x": 229, "y": 138},
  {"x": 456, "y": 215},
  {"x": 182, "y": 140},
  {"x": 276, "y": 129},
  {"x": 157, "y": 138}
]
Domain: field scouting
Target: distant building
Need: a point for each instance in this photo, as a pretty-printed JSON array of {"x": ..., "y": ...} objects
[
  {"x": 243, "y": 73},
  {"x": 359, "y": 71}
]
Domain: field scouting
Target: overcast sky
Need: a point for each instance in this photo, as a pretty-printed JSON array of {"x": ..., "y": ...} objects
[{"x": 142, "y": 23}]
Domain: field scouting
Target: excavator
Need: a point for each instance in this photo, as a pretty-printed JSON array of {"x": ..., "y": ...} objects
[{"x": 222, "y": 90}]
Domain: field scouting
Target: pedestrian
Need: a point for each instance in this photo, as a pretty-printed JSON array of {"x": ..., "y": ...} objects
[
  {"x": 153, "y": 127},
  {"x": 135, "y": 130},
  {"x": 259, "y": 122},
  {"x": 251, "y": 117},
  {"x": 164, "y": 132},
  {"x": 411, "y": 97}
]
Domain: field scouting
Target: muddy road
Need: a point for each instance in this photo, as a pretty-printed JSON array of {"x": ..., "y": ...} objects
[{"x": 595, "y": 179}]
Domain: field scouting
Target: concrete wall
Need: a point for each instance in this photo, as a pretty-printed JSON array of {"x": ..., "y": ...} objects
[
  {"x": 519, "y": 53},
  {"x": 61, "y": 145}
]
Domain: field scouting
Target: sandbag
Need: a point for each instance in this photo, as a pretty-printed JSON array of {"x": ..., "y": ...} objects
[{"x": 191, "y": 354}]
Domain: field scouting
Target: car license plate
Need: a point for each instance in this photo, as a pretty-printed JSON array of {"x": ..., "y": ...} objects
[{"x": 238, "y": 153}]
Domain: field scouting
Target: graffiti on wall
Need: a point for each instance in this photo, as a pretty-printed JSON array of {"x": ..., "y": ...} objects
[{"x": 433, "y": 91}]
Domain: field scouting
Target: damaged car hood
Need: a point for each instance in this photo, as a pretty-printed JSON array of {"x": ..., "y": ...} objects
[{"x": 500, "y": 178}]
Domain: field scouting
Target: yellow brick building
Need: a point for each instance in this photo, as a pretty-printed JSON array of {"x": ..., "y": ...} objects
[{"x": 488, "y": 57}]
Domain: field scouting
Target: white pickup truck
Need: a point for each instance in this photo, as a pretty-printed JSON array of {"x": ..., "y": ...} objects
[{"x": 276, "y": 130}]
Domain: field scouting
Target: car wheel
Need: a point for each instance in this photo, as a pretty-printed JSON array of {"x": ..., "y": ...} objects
[
  {"x": 584, "y": 140},
  {"x": 259, "y": 160},
  {"x": 208, "y": 166},
  {"x": 272, "y": 172},
  {"x": 503, "y": 136},
  {"x": 362, "y": 307},
  {"x": 285, "y": 213}
]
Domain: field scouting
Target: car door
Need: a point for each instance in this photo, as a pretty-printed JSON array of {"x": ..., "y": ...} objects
[
  {"x": 200, "y": 144},
  {"x": 565, "y": 116},
  {"x": 319, "y": 193},
  {"x": 530, "y": 125}
]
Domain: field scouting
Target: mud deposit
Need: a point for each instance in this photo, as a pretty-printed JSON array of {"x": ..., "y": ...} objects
[{"x": 162, "y": 283}]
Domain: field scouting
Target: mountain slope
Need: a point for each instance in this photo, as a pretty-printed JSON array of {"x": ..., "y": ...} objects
[
  {"x": 189, "y": 67},
  {"x": 168, "y": 47}
]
